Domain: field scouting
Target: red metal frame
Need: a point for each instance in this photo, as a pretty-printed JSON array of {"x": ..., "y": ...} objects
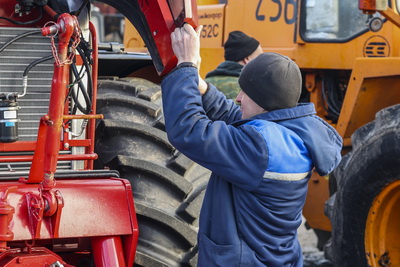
[
  {"x": 92, "y": 125},
  {"x": 31, "y": 145},
  {"x": 99, "y": 209},
  {"x": 49, "y": 126},
  {"x": 37, "y": 209},
  {"x": 47, "y": 148}
]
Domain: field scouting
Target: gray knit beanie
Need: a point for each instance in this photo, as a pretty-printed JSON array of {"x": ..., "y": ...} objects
[{"x": 272, "y": 80}]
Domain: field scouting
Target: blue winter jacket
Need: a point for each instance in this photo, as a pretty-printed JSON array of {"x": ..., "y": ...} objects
[{"x": 260, "y": 169}]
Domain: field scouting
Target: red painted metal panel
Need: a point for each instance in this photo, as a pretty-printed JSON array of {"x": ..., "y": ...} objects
[
  {"x": 92, "y": 207},
  {"x": 40, "y": 208},
  {"x": 161, "y": 23},
  {"x": 107, "y": 251},
  {"x": 130, "y": 241}
]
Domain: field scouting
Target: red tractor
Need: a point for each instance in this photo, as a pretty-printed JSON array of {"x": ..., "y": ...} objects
[{"x": 62, "y": 201}]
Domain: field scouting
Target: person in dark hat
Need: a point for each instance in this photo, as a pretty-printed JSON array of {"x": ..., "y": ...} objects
[
  {"x": 239, "y": 50},
  {"x": 261, "y": 154}
]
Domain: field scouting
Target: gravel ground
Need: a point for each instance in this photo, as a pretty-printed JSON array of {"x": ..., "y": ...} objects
[{"x": 312, "y": 256}]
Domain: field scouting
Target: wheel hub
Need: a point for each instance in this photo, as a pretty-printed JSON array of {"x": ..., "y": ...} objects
[{"x": 382, "y": 232}]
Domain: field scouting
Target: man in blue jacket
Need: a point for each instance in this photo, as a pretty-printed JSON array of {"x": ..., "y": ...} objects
[{"x": 261, "y": 154}]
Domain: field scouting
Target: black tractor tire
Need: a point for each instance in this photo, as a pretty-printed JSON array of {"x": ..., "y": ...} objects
[
  {"x": 371, "y": 165},
  {"x": 168, "y": 188}
]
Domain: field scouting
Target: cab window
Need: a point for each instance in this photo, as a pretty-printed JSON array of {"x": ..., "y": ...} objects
[{"x": 332, "y": 20}]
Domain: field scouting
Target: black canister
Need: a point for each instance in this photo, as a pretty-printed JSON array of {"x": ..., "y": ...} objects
[{"x": 8, "y": 121}]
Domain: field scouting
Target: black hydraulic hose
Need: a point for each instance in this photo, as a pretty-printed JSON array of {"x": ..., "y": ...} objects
[
  {"x": 16, "y": 38},
  {"x": 74, "y": 108},
  {"x": 34, "y": 63},
  {"x": 26, "y": 22},
  {"x": 84, "y": 92},
  {"x": 334, "y": 103},
  {"x": 27, "y": 69},
  {"x": 331, "y": 97},
  {"x": 88, "y": 70}
]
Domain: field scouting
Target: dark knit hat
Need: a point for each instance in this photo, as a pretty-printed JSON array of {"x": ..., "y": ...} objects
[
  {"x": 239, "y": 45},
  {"x": 272, "y": 80}
]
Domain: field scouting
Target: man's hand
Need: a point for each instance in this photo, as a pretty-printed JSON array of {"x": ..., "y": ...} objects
[{"x": 186, "y": 44}]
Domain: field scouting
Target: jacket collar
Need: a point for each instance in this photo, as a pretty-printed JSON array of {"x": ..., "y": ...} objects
[{"x": 302, "y": 110}]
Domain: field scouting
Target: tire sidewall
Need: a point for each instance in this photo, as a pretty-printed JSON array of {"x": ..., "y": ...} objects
[{"x": 370, "y": 169}]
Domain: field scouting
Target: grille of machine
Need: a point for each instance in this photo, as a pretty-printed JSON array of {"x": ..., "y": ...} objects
[{"x": 14, "y": 59}]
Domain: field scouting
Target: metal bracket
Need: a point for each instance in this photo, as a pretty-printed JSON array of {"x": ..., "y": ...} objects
[
  {"x": 35, "y": 213},
  {"x": 48, "y": 204}
]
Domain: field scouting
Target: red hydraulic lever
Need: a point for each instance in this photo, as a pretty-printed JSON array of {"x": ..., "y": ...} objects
[{"x": 44, "y": 162}]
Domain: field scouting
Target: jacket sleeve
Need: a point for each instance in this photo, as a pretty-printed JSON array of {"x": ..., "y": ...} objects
[{"x": 236, "y": 154}]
